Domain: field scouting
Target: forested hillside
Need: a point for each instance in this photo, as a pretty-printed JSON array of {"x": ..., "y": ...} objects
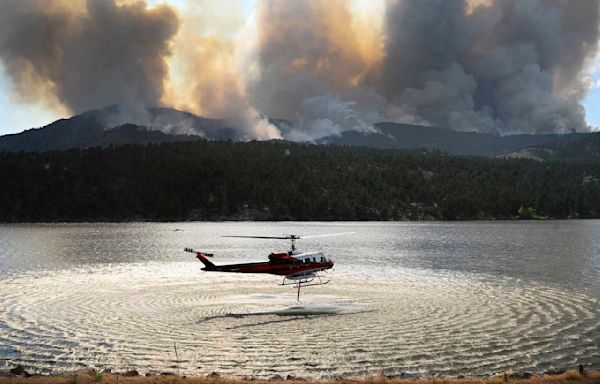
[
  {"x": 585, "y": 148},
  {"x": 220, "y": 180}
]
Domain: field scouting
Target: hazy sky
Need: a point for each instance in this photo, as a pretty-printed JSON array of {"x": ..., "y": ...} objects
[
  {"x": 340, "y": 63},
  {"x": 17, "y": 116},
  {"x": 592, "y": 100}
]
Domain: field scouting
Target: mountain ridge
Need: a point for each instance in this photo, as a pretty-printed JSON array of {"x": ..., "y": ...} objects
[
  {"x": 119, "y": 125},
  {"x": 96, "y": 127}
]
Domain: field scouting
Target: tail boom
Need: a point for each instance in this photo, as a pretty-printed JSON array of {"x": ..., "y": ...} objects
[{"x": 202, "y": 256}]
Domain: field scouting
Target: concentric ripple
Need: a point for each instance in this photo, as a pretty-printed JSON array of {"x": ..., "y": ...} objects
[{"x": 125, "y": 316}]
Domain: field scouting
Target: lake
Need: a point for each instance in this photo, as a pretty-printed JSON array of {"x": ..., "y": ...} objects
[{"x": 421, "y": 298}]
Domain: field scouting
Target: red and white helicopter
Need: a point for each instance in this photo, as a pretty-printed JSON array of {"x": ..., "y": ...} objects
[{"x": 297, "y": 268}]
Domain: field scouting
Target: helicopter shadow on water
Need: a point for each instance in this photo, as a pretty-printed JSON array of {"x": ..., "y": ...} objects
[{"x": 286, "y": 315}]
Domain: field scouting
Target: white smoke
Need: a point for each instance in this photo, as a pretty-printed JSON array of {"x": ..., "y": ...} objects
[{"x": 323, "y": 116}]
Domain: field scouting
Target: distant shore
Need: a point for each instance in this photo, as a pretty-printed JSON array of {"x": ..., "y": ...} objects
[
  {"x": 264, "y": 181},
  {"x": 91, "y": 376},
  {"x": 262, "y": 220}
]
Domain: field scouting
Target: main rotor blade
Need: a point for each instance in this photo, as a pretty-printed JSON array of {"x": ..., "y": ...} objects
[
  {"x": 326, "y": 235},
  {"x": 292, "y": 237},
  {"x": 262, "y": 237}
]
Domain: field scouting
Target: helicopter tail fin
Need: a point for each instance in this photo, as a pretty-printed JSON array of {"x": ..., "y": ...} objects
[
  {"x": 208, "y": 266},
  {"x": 202, "y": 256}
]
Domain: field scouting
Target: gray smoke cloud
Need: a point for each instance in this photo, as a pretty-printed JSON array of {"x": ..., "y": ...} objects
[
  {"x": 498, "y": 66},
  {"x": 88, "y": 55},
  {"x": 310, "y": 63},
  {"x": 509, "y": 66}
]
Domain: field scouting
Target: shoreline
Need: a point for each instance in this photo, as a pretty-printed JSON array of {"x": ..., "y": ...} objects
[
  {"x": 250, "y": 220},
  {"x": 85, "y": 376}
]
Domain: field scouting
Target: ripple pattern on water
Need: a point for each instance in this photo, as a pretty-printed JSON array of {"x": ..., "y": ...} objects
[{"x": 130, "y": 315}]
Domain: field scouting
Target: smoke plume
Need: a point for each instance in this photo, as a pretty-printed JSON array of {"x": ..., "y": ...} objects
[
  {"x": 505, "y": 66},
  {"x": 207, "y": 74},
  {"x": 88, "y": 55},
  {"x": 321, "y": 67},
  {"x": 309, "y": 55}
]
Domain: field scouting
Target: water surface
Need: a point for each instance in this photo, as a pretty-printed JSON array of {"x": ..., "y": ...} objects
[{"x": 420, "y": 298}]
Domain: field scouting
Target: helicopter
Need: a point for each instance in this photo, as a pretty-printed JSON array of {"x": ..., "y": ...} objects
[{"x": 297, "y": 268}]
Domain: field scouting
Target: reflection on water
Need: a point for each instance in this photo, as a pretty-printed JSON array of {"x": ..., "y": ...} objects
[{"x": 450, "y": 298}]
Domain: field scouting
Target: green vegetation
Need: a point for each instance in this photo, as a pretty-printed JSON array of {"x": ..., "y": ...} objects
[
  {"x": 222, "y": 180},
  {"x": 529, "y": 213},
  {"x": 585, "y": 148}
]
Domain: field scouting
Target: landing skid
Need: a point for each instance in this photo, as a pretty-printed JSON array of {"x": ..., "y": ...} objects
[{"x": 307, "y": 280}]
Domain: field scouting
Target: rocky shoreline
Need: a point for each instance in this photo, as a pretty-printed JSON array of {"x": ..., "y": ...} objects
[{"x": 20, "y": 374}]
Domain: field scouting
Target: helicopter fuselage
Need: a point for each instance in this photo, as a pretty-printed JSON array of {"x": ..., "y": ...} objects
[{"x": 282, "y": 264}]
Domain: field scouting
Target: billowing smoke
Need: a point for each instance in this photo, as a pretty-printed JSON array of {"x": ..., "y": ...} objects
[
  {"x": 311, "y": 55},
  {"x": 208, "y": 69},
  {"x": 87, "y": 54},
  {"x": 502, "y": 66},
  {"x": 320, "y": 67},
  {"x": 324, "y": 116},
  {"x": 498, "y": 66}
]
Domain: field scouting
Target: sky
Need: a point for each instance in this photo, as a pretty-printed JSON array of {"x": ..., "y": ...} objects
[
  {"x": 18, "y": 116},
  {"x": 327, "y": 66},
  {"x": 591, "y": 103}
]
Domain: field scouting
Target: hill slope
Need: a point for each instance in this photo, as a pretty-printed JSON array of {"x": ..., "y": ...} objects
[
  {"x": 105, "y": 126},
  {"x": 405, "y": 136},
  {"x": 582, "y": 149}
]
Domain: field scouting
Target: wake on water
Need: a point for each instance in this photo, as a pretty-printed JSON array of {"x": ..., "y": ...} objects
[{"x": 447, "y": 323}]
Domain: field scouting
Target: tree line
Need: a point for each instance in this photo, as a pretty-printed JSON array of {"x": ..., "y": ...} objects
[{"x": 223, "y": 180}]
